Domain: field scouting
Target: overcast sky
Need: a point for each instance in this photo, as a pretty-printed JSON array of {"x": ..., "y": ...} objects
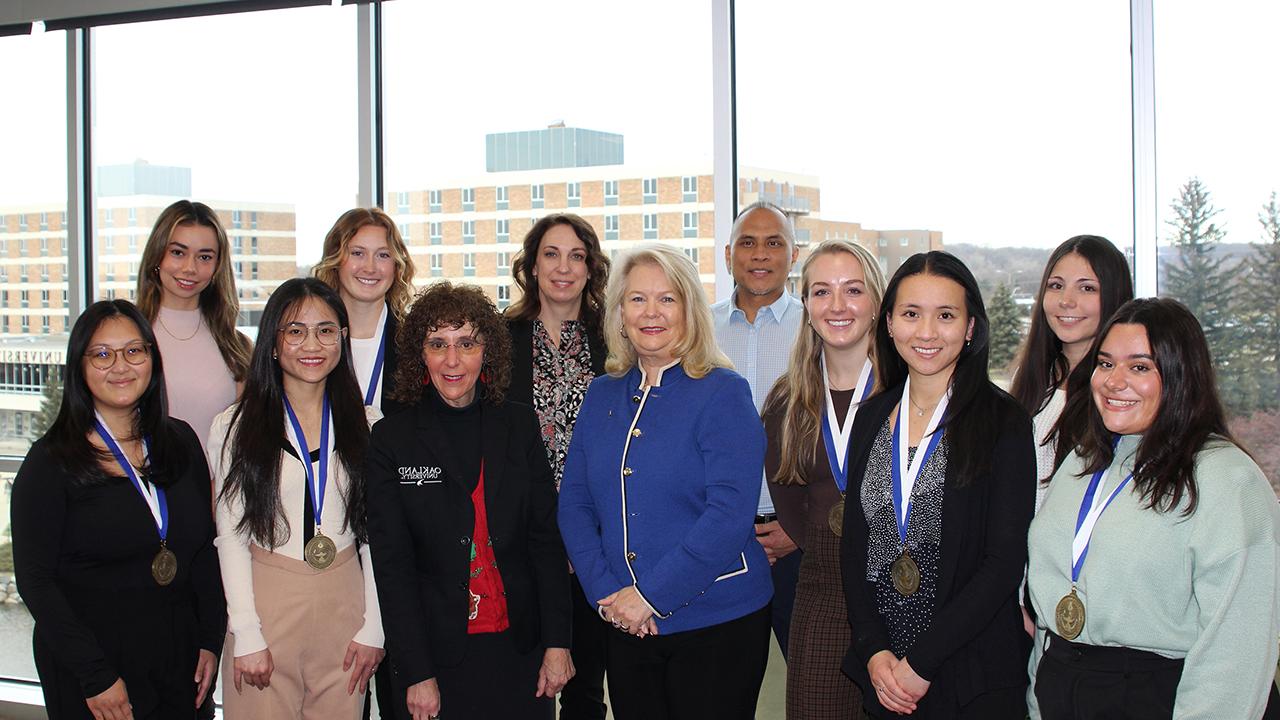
[{"x": 997, "y": 123}]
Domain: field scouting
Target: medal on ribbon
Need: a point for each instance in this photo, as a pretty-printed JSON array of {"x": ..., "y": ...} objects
[
  {"x": 904, "y": 572},
  {"x": 164, "y": 566},
  {"x": 1069, "y": 615},
  {"x": 835, "y": 438},
  {"x": 319, "y": 551}
]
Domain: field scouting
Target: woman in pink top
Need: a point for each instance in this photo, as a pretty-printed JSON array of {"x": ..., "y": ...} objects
[{"x": 187, "y": 292}]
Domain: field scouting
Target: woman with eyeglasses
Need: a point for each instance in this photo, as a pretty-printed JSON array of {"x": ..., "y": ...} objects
[
  {"x": 305, "y": 634},
  {"x": 471, "y": 571},
  {"x": 113, "y": 539}
]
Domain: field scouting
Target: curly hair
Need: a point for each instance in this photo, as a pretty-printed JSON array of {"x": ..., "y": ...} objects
[{"x": 443, "y": 304}]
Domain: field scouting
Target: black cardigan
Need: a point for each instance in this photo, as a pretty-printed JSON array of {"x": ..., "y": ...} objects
[
  {"x": 390, "y": 407},
  {"x": 976, "y": 642},
  {"x": 521, "y": 388},
  {"x": 421, "y": 520}
]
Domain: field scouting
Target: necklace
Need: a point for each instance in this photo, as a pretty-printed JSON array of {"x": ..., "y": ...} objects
[
  {"x": 919, "y": 410},
  {"x": 167, "y": 331}
]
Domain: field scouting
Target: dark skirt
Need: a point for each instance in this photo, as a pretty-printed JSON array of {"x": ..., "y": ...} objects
[{"x": 820, "y": 636}]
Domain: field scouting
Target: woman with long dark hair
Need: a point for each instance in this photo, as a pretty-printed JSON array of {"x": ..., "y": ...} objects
[
  {"x": 1155, "y": 559},
  {"x": 113, "y": 538},
  {"x": 1084, "y": 282},
  {"x": 557, "y": 349},
  {"x": 807, "y": 418},
  {"x": 305, "y": 632},
  {"x": 187, "y": 292},
  {"x": 462, "y": 520},
  {"x": 934, "y": 539}
]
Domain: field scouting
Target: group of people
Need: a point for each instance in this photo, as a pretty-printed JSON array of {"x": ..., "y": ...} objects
[{"x": 615, "y": 475}]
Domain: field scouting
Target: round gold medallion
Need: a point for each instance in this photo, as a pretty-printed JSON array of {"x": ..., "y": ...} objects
[
  {"x": 835, "y": 518},
  {"x": 1069, "y": 615},
  {"x": 906, "y": 575},
  {"x": 320, "y": 551},
  {"x": 164, "y": 566}
]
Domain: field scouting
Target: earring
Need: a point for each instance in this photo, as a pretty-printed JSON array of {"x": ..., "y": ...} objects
[
  {"x": 426, "y": 378},
  {"x": 274, "y": 356},
  {"x": 968, "y": 342}
]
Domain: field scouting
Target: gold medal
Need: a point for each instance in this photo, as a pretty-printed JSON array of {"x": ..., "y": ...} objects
[
  {"x": 320, "y": 551},
  {"x": 835, "y": 517},
  {"x": 906, "y": 574},
  {"x": 164, "y": 566},
  {"x": 1069, "y": 615}
]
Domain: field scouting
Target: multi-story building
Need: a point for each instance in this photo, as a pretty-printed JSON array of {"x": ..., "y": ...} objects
[{"x": 471, "y": 228}]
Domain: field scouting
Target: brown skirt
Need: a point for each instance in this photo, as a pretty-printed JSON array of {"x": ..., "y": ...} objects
[
  {"x": 308, "y": 617},
  {"x": 820, "y": 636}
]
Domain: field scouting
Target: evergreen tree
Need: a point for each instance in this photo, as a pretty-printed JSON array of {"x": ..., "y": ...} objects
[
  {"x": 1006, "y": 327},
  {"x": 1197, "y": 278},
  {"x": 50, "y": 403},
  {"x": 1260, "y": 310}
]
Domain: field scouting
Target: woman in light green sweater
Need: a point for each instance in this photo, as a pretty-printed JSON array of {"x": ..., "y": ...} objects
[{"x": 1154, "y": 560}]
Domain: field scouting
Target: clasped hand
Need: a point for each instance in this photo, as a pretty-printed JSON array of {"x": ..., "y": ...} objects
[
  {"x": 628, "y": 612},
  {"x": 897, "y": 686}
]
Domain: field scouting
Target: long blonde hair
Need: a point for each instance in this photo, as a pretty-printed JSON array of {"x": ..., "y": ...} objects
[
  {"x": 335, "y": 252},
  {"x": 800, "y": 394},
  {"x": 219, "y": 303},
  {"x": 697, "y": 349}
]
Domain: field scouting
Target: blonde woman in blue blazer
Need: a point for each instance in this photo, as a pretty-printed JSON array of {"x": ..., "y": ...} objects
[{"x": 658, "y": 502}]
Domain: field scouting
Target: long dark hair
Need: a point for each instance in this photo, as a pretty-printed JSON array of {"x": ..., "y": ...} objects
[
  {"x": 1190, "y": 411},
  {"x": 68, "y": 436},
  {"x": 529, "y": 304},
  {"x": 1041, "y": 364},
  {"x": 257, "y": 426},
  {"x": 975, "y": 405}
]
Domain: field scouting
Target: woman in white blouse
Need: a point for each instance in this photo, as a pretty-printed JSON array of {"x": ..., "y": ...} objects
[{"x": 304, "y": 629}]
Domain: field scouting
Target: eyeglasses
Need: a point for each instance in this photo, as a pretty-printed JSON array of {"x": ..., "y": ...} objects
[
  {"x": 465, "y": 346},
  {"x": 104, "y": 358},
  {"x": 327, "y": 333}
]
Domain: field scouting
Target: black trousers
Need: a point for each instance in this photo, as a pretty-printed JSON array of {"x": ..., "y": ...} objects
[
  {"x": 583, "y": 697},
  {"x": 493, "y": 682},
  {"x": 712, "y": 672},
  {"x": 786, "y": 574},
  {"x": 1087, "y": 682},
  {"x": 381, "y": 692}
]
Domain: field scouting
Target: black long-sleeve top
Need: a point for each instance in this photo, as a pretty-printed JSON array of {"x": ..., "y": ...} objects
[{"x": 83, "y": 556}]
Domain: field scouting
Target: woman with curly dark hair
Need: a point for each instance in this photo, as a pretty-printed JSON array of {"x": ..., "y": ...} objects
[{"x": 472, "y": 576}]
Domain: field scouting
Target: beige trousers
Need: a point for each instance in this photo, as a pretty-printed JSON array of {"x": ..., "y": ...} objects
[{"x": 308, "y": 617}]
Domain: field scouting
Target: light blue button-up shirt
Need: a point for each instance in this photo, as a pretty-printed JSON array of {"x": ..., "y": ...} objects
[{"x": 759, "y": 351}]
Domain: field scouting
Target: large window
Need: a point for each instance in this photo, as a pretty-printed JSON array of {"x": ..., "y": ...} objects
[
  {"x": 1219, "y": 213},
  {"x": 595, "y": 122}
]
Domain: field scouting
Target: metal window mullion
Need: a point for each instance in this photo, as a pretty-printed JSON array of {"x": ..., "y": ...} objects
[
  {"x": 369, "y": 103},
  {"x": 724, "y": 130},
  {"x": 81, "y": 275},
  {"x": 1146, "y": 250}
]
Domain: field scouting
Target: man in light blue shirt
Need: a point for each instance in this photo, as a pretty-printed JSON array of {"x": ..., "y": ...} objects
[{"x": 756, "y": 328}]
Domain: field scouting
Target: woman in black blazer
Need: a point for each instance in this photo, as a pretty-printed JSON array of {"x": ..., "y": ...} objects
[
  {"x": 557, "y": 349},
  {"x": 113, "y": 536},
  {"x": 931, "y": 581},
  {"x": 472, "y": 575}
]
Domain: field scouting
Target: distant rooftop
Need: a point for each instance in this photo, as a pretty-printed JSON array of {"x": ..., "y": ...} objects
[
  {"x": 555, "y": 147},
  {"x": 143, "y": 178}
]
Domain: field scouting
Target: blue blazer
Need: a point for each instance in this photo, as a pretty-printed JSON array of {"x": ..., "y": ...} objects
[{"x": 660, "y": 491}]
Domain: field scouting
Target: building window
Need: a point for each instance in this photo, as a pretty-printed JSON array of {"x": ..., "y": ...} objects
[
  {"x": 437, "y": 265},
  {"x": 253, "y": 245},
  {"x": 237, "y": 245},
  {"x": 501, "y": 201},
  {"x": 4, "y": 224},
  {"x": 402, "y": 202},
  {"x": 44, "y": 273},
  {"x": 433, "y": 201},
  {"x": 468, "y": 264},
  {"x": 691, "y": 224},
  {"x": 884, "y": 242},
  {"x": 905, "y": 242},
  {"x": 504, "y": 296},
  {"x": 44, "y": 221},
  {"x": 44, "y": 246},
  {"x": 133, "y": 243},
  {"x": 610, "y": 192},
  {"x": 692, "y": 254},
  {"x": 133, "y": 272},
  {"x": 651, "y": 190},
  {"x": 26, "y": 323},
  {"x": 689, "y": 188},
  {"x": 253, "y": 271},
  {"x": 574, "y": 192},
  {"x": 434, "y": 231},
  {"x": 610, "y": 227},
  {"x": 504, "y": 263},
  {"x": 44, "y": 298},
  {"x": 537, "y": 195},
  {"x": 468, "y": 199},
  {"x": 651, "y": 226},
  {"x": 504, "y": 231},
  {"x": 235, "y": 218},
  {"x": 238, "y": 268},
  {"x": 404, "y": 231},
  {"x": 24, "y": 299},
  {"x": 22, "y": 272},
  {"x": 22, "y": 222},
  {"x": 44, "y": 323},
  {"x": 133, "y": 218},
  {"x": 106, "y": 218},
  {"x": 469, "y": 231},
  {"x": 253, "y": 219}
]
